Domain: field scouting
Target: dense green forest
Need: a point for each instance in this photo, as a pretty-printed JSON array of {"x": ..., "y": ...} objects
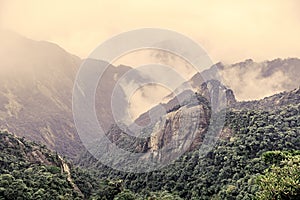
[
  {"x": 257, "y": 159},
  {"x": 30, "y": 171}
]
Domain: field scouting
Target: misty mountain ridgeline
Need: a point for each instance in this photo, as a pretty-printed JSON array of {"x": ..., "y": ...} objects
[{"x": 255, "y": 156}]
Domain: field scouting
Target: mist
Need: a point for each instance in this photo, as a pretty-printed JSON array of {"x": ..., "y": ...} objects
[{"x": 252, "y": 81}]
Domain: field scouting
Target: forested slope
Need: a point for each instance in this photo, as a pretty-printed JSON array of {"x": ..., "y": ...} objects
[{"x": 233, "y": 168}]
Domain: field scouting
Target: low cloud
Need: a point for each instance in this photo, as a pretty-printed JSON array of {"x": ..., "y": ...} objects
[{"x": 248, "y": 82}]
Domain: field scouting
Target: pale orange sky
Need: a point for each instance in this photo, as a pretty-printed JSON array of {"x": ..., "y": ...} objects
[{"x": 230, "y": 31}]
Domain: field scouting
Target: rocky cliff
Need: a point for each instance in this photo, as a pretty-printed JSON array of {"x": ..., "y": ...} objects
[{"x": 183, "y": 126}]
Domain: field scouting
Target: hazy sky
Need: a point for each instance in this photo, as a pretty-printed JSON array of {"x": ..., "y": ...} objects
[{"x": 230, "y": 31}]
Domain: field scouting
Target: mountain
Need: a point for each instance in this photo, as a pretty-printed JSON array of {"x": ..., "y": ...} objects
[
  {"x": 233, "y": 169},
  {"x": 255, "y": 152},
  {"x": 259, "y": 140},
  {"x": 36, "y": 81},
  {"x": 37, "y": 77},
  {"x": 183, "y": 127},
  {"x": 36, "y": 84}
]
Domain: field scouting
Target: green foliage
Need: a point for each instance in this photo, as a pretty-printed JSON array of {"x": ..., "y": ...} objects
[
  {"x": 163, "y": 195},
  {"x": 126, "y": 195},
  {"x": 30, "y": 171},
  {"x": 282, "y": 180},
  {"x": 230, "y": 169}
]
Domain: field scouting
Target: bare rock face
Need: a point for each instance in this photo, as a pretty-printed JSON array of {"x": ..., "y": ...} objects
[
  {"x": 186, "y": 125},
  {"x": 180, "y": 130},
  {"x": 173, "y": 104},
  {"x": 217, "y": 94}
]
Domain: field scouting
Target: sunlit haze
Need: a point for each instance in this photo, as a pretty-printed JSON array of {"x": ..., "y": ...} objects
[{"x": 230, "y": 31}]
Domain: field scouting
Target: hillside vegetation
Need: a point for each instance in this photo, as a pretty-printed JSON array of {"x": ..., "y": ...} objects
[{"x": 237, "y": 167}]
